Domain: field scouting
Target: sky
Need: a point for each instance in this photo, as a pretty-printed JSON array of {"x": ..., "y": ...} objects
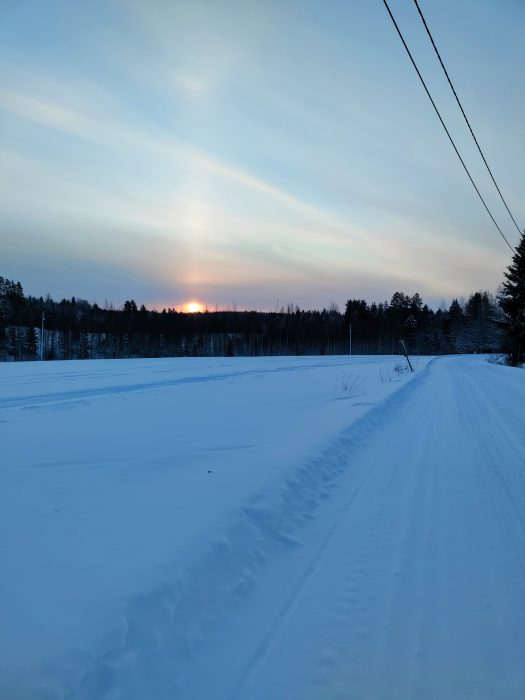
[{"x": 254, "y": 153}]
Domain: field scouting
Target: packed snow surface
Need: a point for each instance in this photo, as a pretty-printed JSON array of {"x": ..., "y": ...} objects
[{"x": 255, "y": 528}]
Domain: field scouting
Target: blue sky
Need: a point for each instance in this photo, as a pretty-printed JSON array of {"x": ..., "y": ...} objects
[{"x": 248, "y": 152}]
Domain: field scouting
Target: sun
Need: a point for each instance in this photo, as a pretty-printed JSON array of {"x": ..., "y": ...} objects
[{"x": 193, "y": 307}]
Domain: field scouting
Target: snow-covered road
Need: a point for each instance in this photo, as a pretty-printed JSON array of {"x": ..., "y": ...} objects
[
  {"x": 412, "y": 581},
  {"x": 376, "y": 552}
]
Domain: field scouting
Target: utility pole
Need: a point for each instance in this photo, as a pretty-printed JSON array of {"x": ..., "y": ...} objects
[
  {"x": 350, "y": 340},
  {"x": 42, "y": 337}
]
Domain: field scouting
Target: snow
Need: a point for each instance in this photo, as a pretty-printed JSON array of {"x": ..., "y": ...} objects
[{"x": 262, "y": 527}]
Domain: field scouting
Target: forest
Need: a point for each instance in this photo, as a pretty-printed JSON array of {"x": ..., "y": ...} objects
[{"x": 77, "y": 329}]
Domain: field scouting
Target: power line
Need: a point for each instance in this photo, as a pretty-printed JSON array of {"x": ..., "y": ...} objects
[
  {"x": 464, "y": 115},
  {"x": 444, "y": 126}
]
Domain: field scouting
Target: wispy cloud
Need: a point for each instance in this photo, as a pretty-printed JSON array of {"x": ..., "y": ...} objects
[{"x": 208, "y": 149}]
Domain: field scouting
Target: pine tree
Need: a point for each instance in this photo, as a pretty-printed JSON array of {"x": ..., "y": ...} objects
[
  {"x": 453, "y": 327},
  {"x": 512, "y": 302}
]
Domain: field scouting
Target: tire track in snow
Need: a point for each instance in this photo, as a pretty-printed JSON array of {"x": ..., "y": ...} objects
[
  {"x": 496, "y": 462},
  {"x": 243, "y": 686},
  {"x": 404, "y": 497},
  {"x": 110, "y": 391}
]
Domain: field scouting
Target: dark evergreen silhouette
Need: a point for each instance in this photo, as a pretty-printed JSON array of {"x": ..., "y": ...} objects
[
  {"x": 76, "y": 329},
  {"x": 512, "y": 302}
]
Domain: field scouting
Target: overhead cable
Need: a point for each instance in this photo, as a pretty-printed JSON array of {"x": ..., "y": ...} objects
[
  {"x": 444, "y": 125},
  {"x": 464, "y": 115}
]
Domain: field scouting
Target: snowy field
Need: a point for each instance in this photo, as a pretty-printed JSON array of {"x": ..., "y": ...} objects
[{"x": 255, "y": 528}]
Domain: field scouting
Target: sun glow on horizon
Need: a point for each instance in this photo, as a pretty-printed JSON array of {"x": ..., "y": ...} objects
[{"x": 193, "y": 307}]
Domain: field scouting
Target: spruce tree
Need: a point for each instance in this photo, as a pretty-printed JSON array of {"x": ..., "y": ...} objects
[{"x": 512, "y": 303}]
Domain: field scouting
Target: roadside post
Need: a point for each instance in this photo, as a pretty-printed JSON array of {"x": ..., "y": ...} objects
[{"x": 406, "y": 355}]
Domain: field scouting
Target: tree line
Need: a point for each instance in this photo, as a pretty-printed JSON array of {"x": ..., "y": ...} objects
[{"x": 76, "y": 329}]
